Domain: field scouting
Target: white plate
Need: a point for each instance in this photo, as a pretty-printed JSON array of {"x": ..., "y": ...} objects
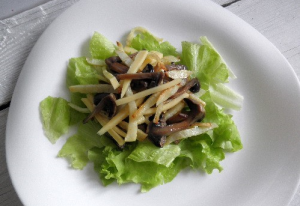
[{"x": 265, "y": 172}]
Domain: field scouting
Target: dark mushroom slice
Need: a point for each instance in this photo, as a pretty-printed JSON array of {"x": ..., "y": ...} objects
[
  {"x": 196, "y": 86},
  {"x": 98, "y": 97},
  {"x": 197, "y": 111},
  {"x": 143, "y": 127},
  {"x": 142, "y": 81},
  {"x": 157, "y": 81},
  {"x": 177, "y": 118},
  {"x": 148, "y": 69},
  {"x": 157, "y": 139},
  {"x": 139, "y": 85},
  {"x": 115, "y": 64},
  {"x": 113, "y": 59},
  {"x": 193, "y": 85},
  {"x": 119, "y": 68},
  {"x": 107, "y": 104},
  {"x": 157, "y": 132},
  {"x": 153, "y": 76}
]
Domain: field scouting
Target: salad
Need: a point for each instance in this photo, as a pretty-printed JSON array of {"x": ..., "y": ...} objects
[{"x": 144, "y": 111}]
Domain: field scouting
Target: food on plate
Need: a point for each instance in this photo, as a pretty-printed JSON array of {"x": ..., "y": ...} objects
[{"x": 145, "y": 111}]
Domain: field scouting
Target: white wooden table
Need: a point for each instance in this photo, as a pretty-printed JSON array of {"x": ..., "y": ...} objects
[{"x": 278, "y": 20}]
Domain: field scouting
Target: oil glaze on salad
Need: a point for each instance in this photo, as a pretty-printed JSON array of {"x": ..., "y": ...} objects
[{"x": 144, "y": 111}]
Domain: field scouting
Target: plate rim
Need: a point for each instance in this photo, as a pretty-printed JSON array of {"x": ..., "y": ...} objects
[{"x": 77, "y": 5}]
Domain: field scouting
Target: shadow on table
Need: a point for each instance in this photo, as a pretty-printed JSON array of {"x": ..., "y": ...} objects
[{"x": 8, "y": 195}]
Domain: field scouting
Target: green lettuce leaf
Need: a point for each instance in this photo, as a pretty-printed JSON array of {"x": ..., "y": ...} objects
[
  {"x": 101, "y": 47},
  {"x": 55, "y": 113},
  {"x": 148, "y": 152},
  {"x": 226, "y": 135},
  {"x": 79, "y": 72},
  {"x": 76, "y": 117},
  {"x": 98, "y": 157},
  {"x": 205, "y": 63},
  {"x": 226, "y": 97},
  {"x": 78, "y": 145},
  {"x": 201, "y": 154},
  {"x": 204, "y": 40},
  {"x": 147, "y": 41},
  {"x": 150, "y": 170},
  {"x": 209, "y": 67},
  {"x": 117, "y": 166}
]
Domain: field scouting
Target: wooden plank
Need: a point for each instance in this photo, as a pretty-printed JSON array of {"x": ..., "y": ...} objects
[
  {"x": 8, "y": 195},
  {"x": 17, "y": 40}
]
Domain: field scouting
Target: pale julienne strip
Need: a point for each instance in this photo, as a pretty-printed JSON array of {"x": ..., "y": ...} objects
[
  {"x": 118, "y": 118},
  {"x": 147, "y": 92},
  {"x": 92, "y": 88},
  {"x": 166, "y": 94},
  {"x": 113, "y": 80},
  {"x": 147, "y": 61},
  {"x": 115, "y": 120},
  {"x": 123, "y": 56},
  {"x": 169, "y": 105},
  {"x": 116, "y": 129},
  {"x": 139, "y": 59},
  {"x": 189, "y": 133},
  {"x": 174, "y": 110},
  {"x": 159, "y": 110},
  {"x": 146, "y": 105},
  {"x": 79, "y": 109},
  {"x": 140, "y": 134},
  {"x": 116, "y": 136},
  {"x": 132, "y": 127}
]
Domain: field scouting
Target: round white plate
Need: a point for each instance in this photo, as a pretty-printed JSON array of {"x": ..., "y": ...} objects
[{"x": 265, "y": 172}]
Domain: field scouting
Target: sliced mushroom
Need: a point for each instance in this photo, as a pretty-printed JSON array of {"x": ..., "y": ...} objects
[
  {"x": 142, "y": 127},
  {"x": 148, "y": 69},
  {"x": 177, "y": 118},
  {"x": 142, "y": 81},
  {"x": 157, "y": 132},
  {"x": 153, "y": 76},
  {"x": 139, "y": 85},
  {"x": 98, "y": 97},
  {"x": 154, "y": 134},
  {"x": 193, "y": 85},
  {"x": 107, "y": 104},
  {"x": 119, "y": 68},
  {"x": 115, "y": 64}
]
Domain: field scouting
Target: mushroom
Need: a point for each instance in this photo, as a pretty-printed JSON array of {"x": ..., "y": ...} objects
[
  {"x": 148, "y": 69},
  {"x": 157, "y": 132},
  {"x": 193, "y": 85},
  {"x": 107, "y": 104},
  {"x": 115, "y": 64},
  {"x": 178, "y": 118},
  {"x": 142, "y": 81},
  {"x": 139, "y": 85},
  {"x": 154, "y": 133},
  {"x": 98, "y": 97},
  {"x": 153, "y": 76}
]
